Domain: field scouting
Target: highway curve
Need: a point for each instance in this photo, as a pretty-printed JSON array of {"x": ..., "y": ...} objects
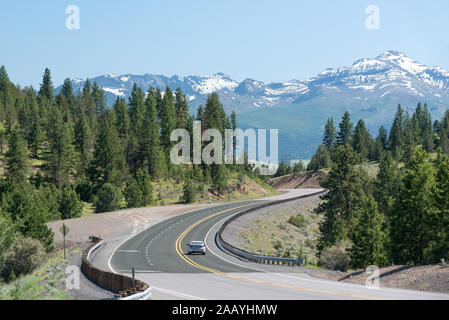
[{"x": 158, "y": 256}]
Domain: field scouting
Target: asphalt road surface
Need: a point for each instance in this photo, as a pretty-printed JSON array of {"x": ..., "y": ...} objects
[{"x": 158, "y": 255}]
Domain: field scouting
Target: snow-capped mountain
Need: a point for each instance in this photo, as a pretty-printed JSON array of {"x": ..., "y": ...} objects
[
  {"x": 390, "y": 76},
  {"x": 369, "y": 89}
]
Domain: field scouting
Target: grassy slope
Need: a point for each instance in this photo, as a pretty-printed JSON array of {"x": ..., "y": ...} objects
[
  {"x": 47, "y": 282},
  {"x": 170, "y": 192}
]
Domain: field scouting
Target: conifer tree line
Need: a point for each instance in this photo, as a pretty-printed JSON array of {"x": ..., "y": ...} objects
[
  {"x": 400, "y": 216},
  {"x": 61, "y": 149}
]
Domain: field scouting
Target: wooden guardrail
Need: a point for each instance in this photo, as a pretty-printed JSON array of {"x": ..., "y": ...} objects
[{"x": 120, "y": 284}]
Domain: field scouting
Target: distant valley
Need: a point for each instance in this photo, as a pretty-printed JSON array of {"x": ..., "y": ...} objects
[{"x": 370, "y": 89}]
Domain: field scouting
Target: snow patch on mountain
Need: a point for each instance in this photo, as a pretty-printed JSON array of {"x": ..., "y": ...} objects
[{"x": 391, "y": 75}]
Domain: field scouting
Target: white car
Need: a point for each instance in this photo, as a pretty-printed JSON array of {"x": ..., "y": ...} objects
[{"x": 196, "y": 247}]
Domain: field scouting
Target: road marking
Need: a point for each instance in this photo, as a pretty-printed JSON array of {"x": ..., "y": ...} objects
[
  {"x": 131, "y": 251},
  {"x": 183, "y": 295},
  {"x": 207, "y": 207},
  {"x": 198, "y": 266},
  {"x": 139, "y": 271}
]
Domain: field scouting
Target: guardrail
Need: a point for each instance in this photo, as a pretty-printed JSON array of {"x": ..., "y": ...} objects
[
  {"x": 255, "y": 257},
  {"x": 125, "y": 287}
]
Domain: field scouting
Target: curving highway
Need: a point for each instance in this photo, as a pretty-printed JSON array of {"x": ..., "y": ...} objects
[{"x": 158, "y": 256}]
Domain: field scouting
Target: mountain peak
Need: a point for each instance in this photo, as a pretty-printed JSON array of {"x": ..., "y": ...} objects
[
  {"x": 391, "y": 54},
  {"x": 400, "y": 60}
]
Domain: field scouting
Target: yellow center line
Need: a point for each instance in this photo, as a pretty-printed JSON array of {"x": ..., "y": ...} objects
[{"x": 196, "y": 265}]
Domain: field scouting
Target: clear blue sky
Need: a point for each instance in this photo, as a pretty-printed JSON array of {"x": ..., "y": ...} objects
[{"x": 260, "y": 39}]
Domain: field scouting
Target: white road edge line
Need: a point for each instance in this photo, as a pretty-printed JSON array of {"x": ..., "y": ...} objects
[{"x": 183, "y": 295}]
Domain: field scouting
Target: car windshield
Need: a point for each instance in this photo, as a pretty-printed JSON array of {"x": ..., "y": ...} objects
[{"x": 196, "y": 243}]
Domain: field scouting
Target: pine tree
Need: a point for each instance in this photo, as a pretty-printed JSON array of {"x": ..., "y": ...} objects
[
  {"x": 330, "y": 134},
  {"x": 168, "y": 118},
  {"x": 108, "y": 163},
  {"x": 137, "y": 146},
  {"x": 67, "y": 92},
  {"x": 25, "y": 208},
  {"x": 83, "y": 141},
  {"x": 345, "y": 133},
  {"x": 189, "y": 193},
  {"x": 35, "y": 134},
  {"x": 62, "y": 153},
  {"x": 46, "y": 89},
  {"x": 99, "y": 99},
  {"x": 6, "y": 98},
  {"x": 282, "y": 169},
  {"x": 122, "y": 119},
  {"x": 5, "y": 83},
  {"x": 444, "y": 133},
  {"x": 200, "y": 114},
  {"x": 136, "y": 104},
  {"x": 361, "y": 140},
  {"x": 397, "y": 133},
  {"x": 369, "y": 237},
  {"x": 109, "y": 198},
  {"x": 411, "y": 230},
  {"x": 320, "y": 160},
  {"x": 386, "y": 185},
  {"x": 182, "y": 109},
  {"x": 298, "y": 166},
  {"x": 382, "y": 137},
  {"x": 219, "y": 177},
  {"x": 154, "y": 155},
  {"x": 88, "y": 105},
  {"x": 144, "y": 183},
  {"x": 342, "y": 203},
  {"x": 234, "y": 139},
  {"x": 70, "y": 205},
  {"x": 138, "y": 190},
  {"x": 214, "y": 115},
  {"x": 17, "y": 162},
  {"x": 441, "y": 219}
]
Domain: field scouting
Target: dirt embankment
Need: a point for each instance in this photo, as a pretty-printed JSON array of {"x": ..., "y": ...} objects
[
  {"x": 304, "y": 180},
  {"x": 424, "y": 278}
]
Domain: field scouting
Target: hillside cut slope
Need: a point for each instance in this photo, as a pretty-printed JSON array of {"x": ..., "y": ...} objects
[{"x": 304, "y": 180}]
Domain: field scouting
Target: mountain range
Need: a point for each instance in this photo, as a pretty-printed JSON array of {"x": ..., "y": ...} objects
[{"x": 370, "y": 88}]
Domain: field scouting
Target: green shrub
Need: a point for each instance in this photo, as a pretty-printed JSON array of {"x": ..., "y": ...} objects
[
  {"x": 336, "y": 257},
  {"x": 109, "y": 198},
  {"x": 70, "y": 205},
  {"x": 139, "y": 191},
  {"x": 24, "y": 256},
  {"x": 298, "y": 221},
  {"x": 189, "y": 194}
]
